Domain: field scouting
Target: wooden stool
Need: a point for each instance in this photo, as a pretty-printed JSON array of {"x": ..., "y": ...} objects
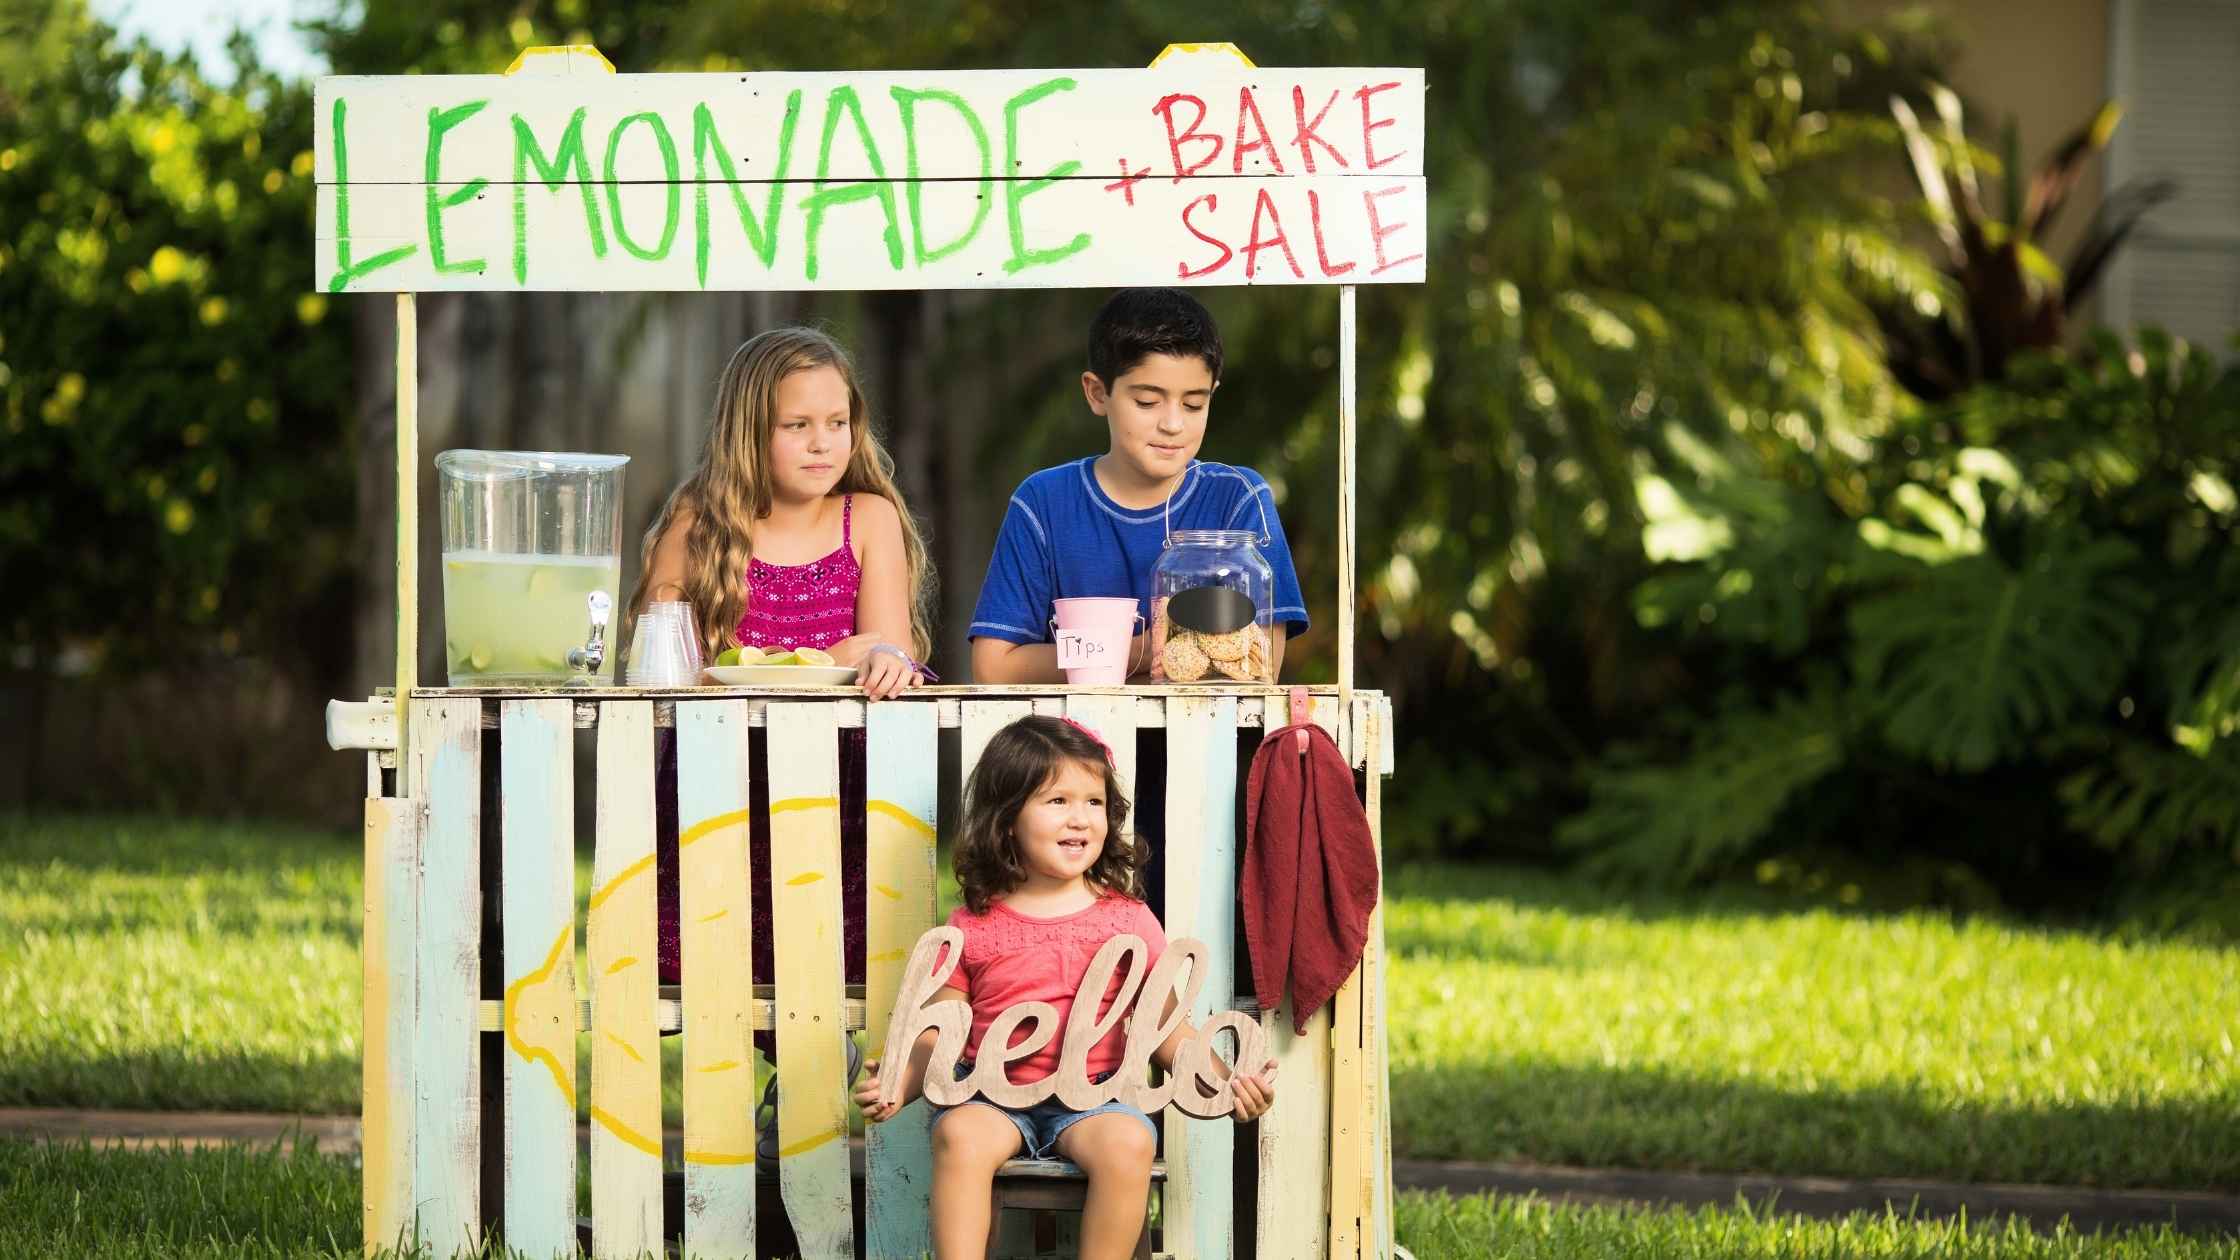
[{"x": 1054, "y": 1185}]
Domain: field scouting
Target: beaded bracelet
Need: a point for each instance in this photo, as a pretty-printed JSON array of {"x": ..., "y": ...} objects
[{"x": 900, "y": 655}]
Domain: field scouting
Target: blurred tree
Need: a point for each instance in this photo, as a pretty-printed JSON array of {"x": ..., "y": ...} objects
[{"x": 171, "y": 483}]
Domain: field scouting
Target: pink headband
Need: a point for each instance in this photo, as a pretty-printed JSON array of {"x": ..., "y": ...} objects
[{"x": 1092, "y": 735}]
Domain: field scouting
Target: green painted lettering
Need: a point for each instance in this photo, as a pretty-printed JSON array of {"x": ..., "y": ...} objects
[
  {"x": 439, "y": 122},
  {"x": 906, "y": 100},
  {"x": 527, "y": 153},
  {"x": 345, "y": 270},
  {"x": 762, "y": 234},
  {"x": 825, "y": 197},
  {"x": 1016, "y": 190},
  {"x": 675, "y": 208}
]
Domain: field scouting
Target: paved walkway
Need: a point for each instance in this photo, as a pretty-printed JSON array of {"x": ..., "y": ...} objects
[{"x": 2085, "y": 1208}]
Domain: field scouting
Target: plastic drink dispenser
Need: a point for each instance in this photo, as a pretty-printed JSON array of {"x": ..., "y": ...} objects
[{"x": 532, "y": 558}]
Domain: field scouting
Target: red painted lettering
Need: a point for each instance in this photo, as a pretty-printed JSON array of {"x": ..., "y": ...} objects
[
  {"x": 1305, "y": 134},
  {"x": 1265, "y": 205},
  {"x": 1183, "y": 270},
  {"x": 1378, "y": 231},
  {"x": 1175, "y": 140},
  {"x": 1368, "y": 125},
  {"x": 1321, "y": 253},
  {"x": 1248, "y": 108}
]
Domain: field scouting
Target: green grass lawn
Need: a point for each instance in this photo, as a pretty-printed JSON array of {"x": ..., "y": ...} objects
[
  {"x": 1534, "y": 1018},
  {"x": 205, "y": 966},
  {"x": 277, "y": 1204}
]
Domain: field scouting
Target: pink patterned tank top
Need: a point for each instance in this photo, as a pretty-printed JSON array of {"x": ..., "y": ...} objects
[{"x": 809, "y": 605}]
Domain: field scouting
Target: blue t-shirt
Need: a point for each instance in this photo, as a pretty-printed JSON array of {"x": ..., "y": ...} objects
[{"x": 1063, "y": 536}]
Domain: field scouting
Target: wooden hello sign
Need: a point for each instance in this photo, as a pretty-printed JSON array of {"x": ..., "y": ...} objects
[
  {"x": 1194, "y": 1084},
  {"x": 1178, "y": 174}
]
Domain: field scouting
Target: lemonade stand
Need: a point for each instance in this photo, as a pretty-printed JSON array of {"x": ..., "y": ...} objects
[{"x": 561, "y": 174}]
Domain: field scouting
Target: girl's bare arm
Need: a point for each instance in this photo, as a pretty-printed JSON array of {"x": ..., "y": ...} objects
[
  {"x": 1254, "y": 1092},
  {"x": 914, "y": 1071},
  {"x": 666, "y": 579},
  {"x": 883, "y": 600}
]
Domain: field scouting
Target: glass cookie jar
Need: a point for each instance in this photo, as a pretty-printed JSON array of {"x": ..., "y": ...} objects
[{"x": 1212, "y": 609}]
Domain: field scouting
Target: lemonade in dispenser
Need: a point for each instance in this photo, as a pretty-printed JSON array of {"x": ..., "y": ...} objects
[{"x": 532, "y": 562}]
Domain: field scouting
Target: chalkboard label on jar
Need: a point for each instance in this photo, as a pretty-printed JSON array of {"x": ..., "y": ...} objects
[{"x": 1211, "y": 609}]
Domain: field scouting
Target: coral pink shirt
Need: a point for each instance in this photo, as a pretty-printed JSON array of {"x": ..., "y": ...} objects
[{"x": 1011, "y": 958}]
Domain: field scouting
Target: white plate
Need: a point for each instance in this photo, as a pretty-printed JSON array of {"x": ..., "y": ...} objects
[{"x": 783, "y": 675}]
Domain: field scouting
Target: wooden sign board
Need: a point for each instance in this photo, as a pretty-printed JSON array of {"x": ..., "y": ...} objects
[
  {"x": 1177, "y": 174},
  {"x": 1194, "y": 1085}
]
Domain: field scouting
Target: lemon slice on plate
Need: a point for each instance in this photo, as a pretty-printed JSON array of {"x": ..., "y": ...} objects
[{"x": 811, "y": 656}]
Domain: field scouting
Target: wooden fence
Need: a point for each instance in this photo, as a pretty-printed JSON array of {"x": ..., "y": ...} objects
[{"x": 477, "y": 1013}]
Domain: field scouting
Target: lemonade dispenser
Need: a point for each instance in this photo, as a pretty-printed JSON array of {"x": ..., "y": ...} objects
[{"x": 532, "y": 558}]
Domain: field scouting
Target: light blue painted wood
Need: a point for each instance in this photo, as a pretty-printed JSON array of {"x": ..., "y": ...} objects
[
  {"x": 1201, "y": 903},
  {"x": 977, "y": 723},
  {"x": 392, "y": 904},
  {"x": 537, "y": 773},
  {"x": 446, "y": 740},
  {"x": 903, "y": 775},
  {"x": 717, "y": 938},
  {"x": 805, "y": 904}
]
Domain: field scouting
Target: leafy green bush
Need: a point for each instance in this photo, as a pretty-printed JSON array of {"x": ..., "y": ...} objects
[
  {"x": 2023, "y": 645},
  {"x": 173, "y": 475}
]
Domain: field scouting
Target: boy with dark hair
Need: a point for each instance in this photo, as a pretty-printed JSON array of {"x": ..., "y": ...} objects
[{"x": 1095, "y": 526}]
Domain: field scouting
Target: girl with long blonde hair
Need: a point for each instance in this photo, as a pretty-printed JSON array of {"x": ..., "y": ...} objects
[
  {"x": 790, "y": 533},
  {"x": 790, "y": 467}
]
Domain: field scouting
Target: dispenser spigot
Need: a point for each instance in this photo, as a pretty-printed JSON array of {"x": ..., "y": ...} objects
[{"x": 593, "y": 654}]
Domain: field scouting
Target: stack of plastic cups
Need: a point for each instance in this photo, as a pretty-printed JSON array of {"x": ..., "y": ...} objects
[{"x": 665, "y": 648}]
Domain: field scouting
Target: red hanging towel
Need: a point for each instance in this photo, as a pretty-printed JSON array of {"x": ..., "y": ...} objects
[{"x": 1310, "y": 871}]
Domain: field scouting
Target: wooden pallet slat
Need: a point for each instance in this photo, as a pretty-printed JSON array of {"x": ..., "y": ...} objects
[
  {"x": 716, "y": 939},
  {"x": 1201, "y": 903},
  {"x": 902, "y": 787},
  {"x": 537, "y": 777},
  {"x": 977, "y": 723},
  {"x": 390, "y": 953},
  {"x": 1376, "y": 1180},
  {"x": 447, "y": 1109},
  {"x": 813, "y": 1173},
  {"x": 1347, "y": 1148},
  {"x": 1113, "y": 719},
  {"x": 624, "y": 982},
  {"x": 1293, "y": 1205}
]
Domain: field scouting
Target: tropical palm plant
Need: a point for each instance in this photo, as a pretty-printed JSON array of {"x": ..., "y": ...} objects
[{"x": 2014, "y": 297}]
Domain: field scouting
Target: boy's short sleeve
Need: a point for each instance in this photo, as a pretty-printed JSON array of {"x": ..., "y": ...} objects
[
  {"x": 1016, "y": 595},
  {"x": 1249, "y": 513}
]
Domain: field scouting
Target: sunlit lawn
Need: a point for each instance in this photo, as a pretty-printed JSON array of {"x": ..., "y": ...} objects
[
  {"x": 275, "y": 1204},
  {"x": 171, "y": 965}
]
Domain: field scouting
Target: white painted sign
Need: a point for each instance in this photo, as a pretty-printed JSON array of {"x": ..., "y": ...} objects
[{"x": 1178, "y": 174}]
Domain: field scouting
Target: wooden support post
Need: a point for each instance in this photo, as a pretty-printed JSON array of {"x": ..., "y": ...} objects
[
  {"x": 1348, "y": 434},
  {"x": 408, "y": 530}
]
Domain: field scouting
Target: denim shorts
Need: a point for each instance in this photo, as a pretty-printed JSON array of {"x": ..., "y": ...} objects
[{"x": 1040, "y": 1125}]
